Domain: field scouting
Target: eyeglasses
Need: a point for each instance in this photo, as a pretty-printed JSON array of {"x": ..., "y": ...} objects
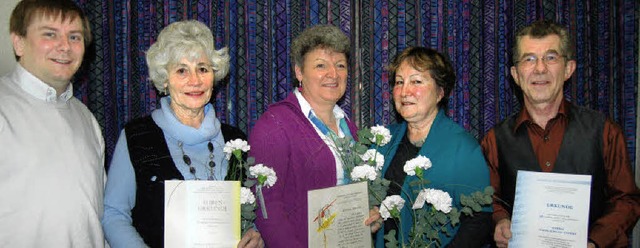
[{"x": 548, "y": 59}]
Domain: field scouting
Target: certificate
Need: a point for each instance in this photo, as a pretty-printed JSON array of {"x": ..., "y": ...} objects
[
  {"x": 550, "y": 210},
  {"x": 201, "y": 213},
  {"x": 336, "y": 216}
]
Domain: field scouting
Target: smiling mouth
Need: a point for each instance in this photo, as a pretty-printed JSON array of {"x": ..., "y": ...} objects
[
  {"x": 331, "y": 85},
  {"x": 407, "y": 103},
  {"x": 539, "y": 82},
  {"x": 62, "y": 61},
  {"x": 198, "y": 93}
]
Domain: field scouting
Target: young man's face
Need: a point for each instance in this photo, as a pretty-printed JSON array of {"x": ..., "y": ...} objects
[{"x": 52, "y": 50}]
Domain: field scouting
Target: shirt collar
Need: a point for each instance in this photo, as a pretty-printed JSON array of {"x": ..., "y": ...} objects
[
  {"x": 39, "y": 89},
  {"x": 306, "y": 107},
  {"x": 525, "y": 118}
]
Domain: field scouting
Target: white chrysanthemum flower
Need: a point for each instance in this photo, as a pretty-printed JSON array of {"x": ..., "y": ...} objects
[
  {"x": 373, "y": 155},
  {"x": 363, "y": 172},
  {"x": 382, "y": 133},
  {"x": 246, "y": 196},
  {"x": 392, "y": 203},
  {"x": 418, "y": 162},
  {"x": 236, "y": 144},
  {"x": 439, "y": 199},
  {"x": 265, "y": 175}
]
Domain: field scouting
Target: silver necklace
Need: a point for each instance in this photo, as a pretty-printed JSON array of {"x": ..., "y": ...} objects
[{"x": 192, "y": 170}]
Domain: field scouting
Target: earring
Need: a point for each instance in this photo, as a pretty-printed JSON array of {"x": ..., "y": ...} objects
[{"x": 164, "y": 89}]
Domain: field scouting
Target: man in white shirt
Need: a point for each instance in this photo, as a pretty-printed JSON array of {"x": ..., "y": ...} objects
[{"x": 51, "y": 146}]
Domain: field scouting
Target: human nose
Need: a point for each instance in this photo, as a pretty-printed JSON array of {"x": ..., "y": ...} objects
[
  {"x": 64, "y": 44},
  {"x": 333, "y": 72},
  {"x": 404, "y": 90},
  {"x": 193, "y": 78},
  {"x": 540, "y": 65}
]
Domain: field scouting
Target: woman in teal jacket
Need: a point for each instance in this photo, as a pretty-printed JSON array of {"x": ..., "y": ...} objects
[{"x": 423, "y": 80}]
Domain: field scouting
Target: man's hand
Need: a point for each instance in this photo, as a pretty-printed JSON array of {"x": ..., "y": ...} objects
[
  {"x": 591, "y": 245},
  {"x": 251, "y": 239},
  {"x": 502, "y": 233},
  {"x": 375, "y": 220}
]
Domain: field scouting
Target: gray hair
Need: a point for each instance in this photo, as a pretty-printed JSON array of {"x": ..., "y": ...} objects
[
  {"x": 319, "y": 36},
  {"x": 543, "y": 28},
  {"x": 184, "y": 39}
]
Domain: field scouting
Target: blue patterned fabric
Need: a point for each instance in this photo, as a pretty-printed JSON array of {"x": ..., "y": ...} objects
[{"x": 477, "y": 35}]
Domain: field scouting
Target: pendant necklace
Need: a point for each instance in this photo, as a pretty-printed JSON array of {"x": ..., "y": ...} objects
[{"x": 192, "y": 170}]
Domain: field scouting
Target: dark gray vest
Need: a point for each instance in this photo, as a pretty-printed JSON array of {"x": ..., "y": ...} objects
[
  {"x": 580, "y": 153},
  {"x": 153, "y": 165}
]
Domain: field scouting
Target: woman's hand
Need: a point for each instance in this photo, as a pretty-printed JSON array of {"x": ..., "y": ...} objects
[
  {"x": 251, "y": 239},
  {"x": 375, "y": 220}
]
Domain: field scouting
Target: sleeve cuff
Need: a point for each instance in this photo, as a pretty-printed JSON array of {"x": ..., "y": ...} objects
[{"x": 499, "y": 215}]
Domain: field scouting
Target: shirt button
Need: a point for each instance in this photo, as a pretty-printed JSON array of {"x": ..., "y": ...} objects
[
  {"x": 546, "y": 138},
  {"x": 547, "y": 164}
]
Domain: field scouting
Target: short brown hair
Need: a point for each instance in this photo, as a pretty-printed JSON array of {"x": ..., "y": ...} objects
[
  {"x": 27, "y": 10},
  {"x": 543, "y": 28}
]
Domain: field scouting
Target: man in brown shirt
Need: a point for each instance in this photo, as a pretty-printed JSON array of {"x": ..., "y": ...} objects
[{"x": 551, "y": 134}]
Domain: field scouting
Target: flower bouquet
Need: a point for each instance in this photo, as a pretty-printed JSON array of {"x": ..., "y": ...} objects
[
  {"x": 362, "y": 161},
  {"x": 251, "y": 175},
  {"x": 432, "y": 211}
]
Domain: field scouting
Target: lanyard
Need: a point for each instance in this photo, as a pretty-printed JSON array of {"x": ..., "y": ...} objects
[
  {"x": 331, "y": 134},
  {"x": 325, "y": 130}
]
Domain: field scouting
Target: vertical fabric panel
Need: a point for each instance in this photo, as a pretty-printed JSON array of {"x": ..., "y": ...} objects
[{"x": 476, "y": 35}]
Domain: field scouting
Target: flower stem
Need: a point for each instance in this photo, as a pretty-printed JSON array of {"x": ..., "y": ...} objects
[
  {"x": 401, "y": 233},
  {"x": 261, "y": 199}
]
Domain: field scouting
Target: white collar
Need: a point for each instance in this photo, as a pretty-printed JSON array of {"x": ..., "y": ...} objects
[
  {"x": 306, "y": 107},
  {"x": 37, "y": 88}
]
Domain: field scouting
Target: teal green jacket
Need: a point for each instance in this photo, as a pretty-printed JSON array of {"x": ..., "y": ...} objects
[{"x": 458, "y": 167}]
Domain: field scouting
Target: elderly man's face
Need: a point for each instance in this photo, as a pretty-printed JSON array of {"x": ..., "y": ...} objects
[
  {"x": 542, "y": 77},
  {"x": 52, "y": 50}
]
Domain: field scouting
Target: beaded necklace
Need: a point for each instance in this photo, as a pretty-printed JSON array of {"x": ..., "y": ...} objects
[{"x": 192, "y": 170}]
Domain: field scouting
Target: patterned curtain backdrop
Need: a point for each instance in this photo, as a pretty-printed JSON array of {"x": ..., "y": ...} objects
[{"x": 477, "y": 35}]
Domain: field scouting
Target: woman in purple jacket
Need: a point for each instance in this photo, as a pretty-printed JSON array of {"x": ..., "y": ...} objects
[{"x": 294, "y": 135}]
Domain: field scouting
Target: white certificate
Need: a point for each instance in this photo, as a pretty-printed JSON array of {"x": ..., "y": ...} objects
[
  {"x": 201, "y": 213},
  {"x": 550, "y": 210},
  {"x": 337, "y": 215}
]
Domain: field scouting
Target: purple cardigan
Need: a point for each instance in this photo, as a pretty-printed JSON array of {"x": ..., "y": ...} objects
[{"x": 285, "y": 140}]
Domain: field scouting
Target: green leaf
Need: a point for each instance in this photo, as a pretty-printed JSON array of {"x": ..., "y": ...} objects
[
  {"x": 476, "y": 207},
  {"x": 489, "y": 190},
  {"x": 441, "y": 217},
  {"x": 250, "y": 161},
  {"x": 249, "y": 183},
  {"x": 467, "y": 210},
  {"x": 360, "y": 149},
  {"x": 464, "y": 200},
  {"x": 432, "y": 234},
  {"x": 487, "y": 199},
  {"x": 392, "y": 242}
]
